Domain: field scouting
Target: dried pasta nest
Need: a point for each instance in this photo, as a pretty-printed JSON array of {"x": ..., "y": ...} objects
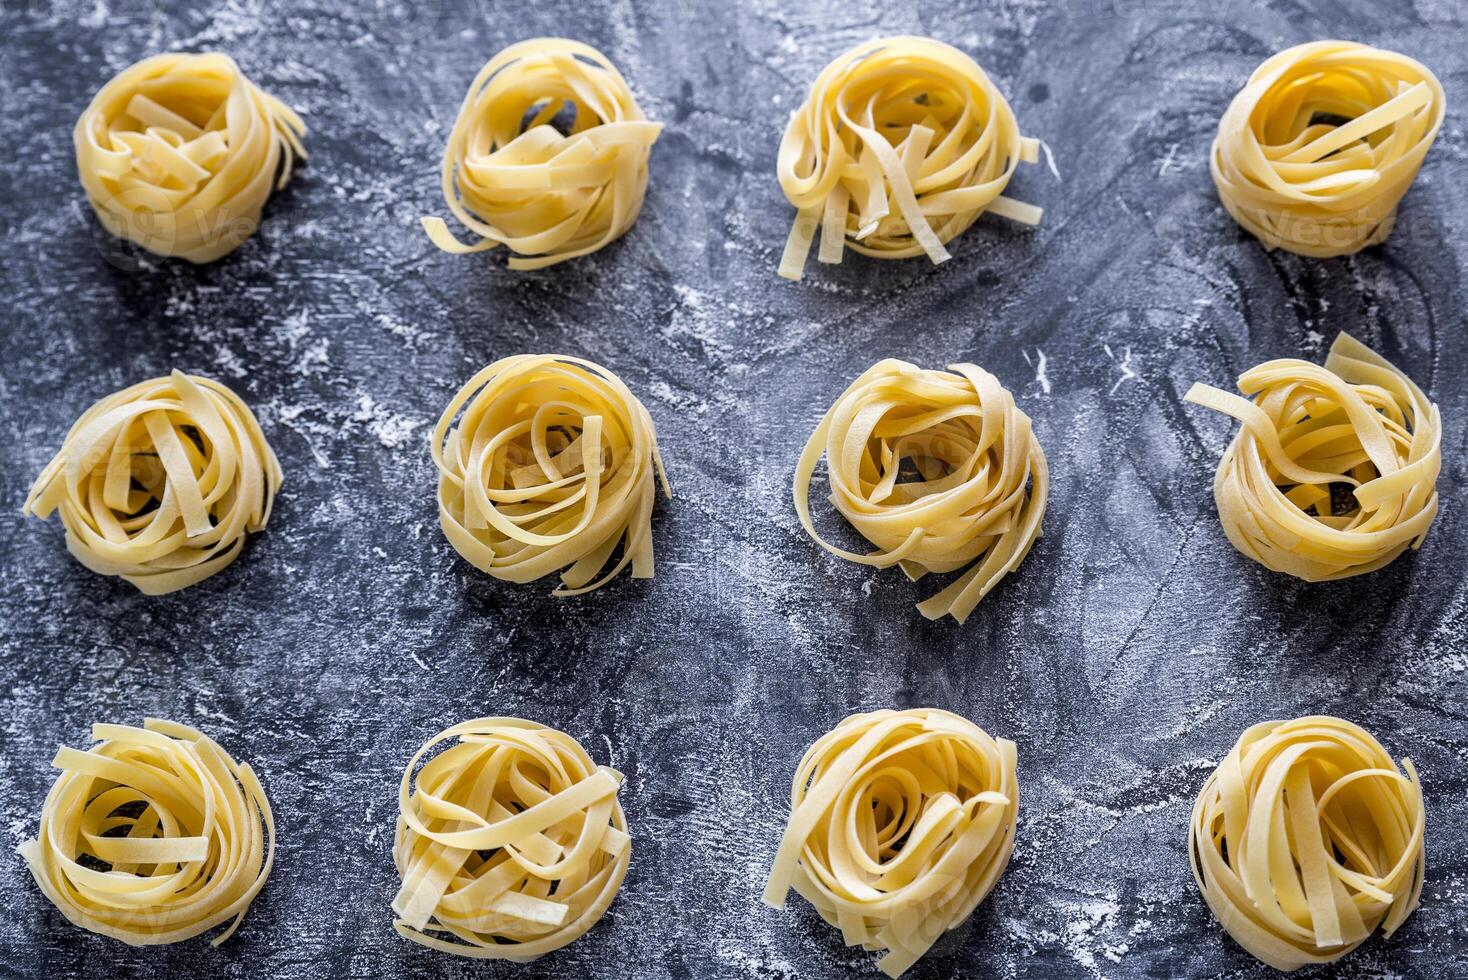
[
  {"x": 160, "y": 483},
  {"x": 551, "y": 464},
  {"x": 899, "y": 147},
  {"x": 152, "y": 836},
  {"x": 901, "y": 822},
  {"x": 1356, "y": 431},
  {"x": 180, "y": 152},
  {"x": 510, "y": 842},
  {"x": 939, "y": 469},
  {"x": 1314, "y": 153},
  {"x": 1306, "y": 839},
  {"x": 548, "y": 156}
]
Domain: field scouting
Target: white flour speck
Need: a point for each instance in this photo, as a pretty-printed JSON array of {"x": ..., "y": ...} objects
[
  {"x": 1050, "y": 160},
  {"x": 1124, "y": 365},
  {"x": 390, "y": 428}
]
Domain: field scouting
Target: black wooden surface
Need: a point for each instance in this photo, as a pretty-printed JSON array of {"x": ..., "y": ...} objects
[{"x": 1125, "y": 656}]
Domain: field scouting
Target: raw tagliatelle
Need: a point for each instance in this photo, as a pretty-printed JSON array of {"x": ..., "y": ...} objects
[
  {"x": 180, "y": 152},
  {"x": 1306, "y": 839},
  {"x": 900, "y": 824},
  {"x": 1357, "y": 426},
  {"x": 159, "y": 483},
  {"x": 1314, "y": 153},
  {"x": 510, "y": 843},
  {"x": 548, "y": 156},
  {"x": 901, "y": 144},
  {"x": 551, "y": 464},
  {"x": 152, "y": 836},
  {"x": 938, "y": 469}
]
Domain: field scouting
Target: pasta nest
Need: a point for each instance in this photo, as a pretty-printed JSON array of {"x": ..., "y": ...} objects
[
  {"x": 900, "y": 824},
  {"x": 160, "y": 483},
  {"x": 152, "y": 836},
  {"x": 511, "y": 841},
  {"x": 1314, "y": 153},
  {"x": 938, "y": 469},
  {"x": 1309, "y": 435},
  {"x": 180, "y": 152},
  {"x": 515, "y": 179},
  {"x": 899, "y": 147},
  {"x": 1307, "y": 838},
  {"x": 551, "y": 464}
]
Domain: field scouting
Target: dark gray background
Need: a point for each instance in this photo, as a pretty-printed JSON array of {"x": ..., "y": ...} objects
[{"x": 1125, "y": 656}]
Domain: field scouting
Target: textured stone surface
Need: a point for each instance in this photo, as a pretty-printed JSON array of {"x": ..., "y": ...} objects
[{"x": 1125, "y": 657}]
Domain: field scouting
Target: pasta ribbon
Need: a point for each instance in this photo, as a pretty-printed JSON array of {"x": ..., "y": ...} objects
[
  {"x": 153, "y": 835},
  {"x": 900, "y": 824},
  {"x": 1356, "y": 430},
  {"x": 1306, "y": 838},
  {"x": 938, "y": 469},
  {"x": 551, "y": 464},
  {"x": 901, "y": 144},
  {"x": 1314, "y": 153},
  {"x": 511, "y": 841},
  {"x": 159, "y": 483},
  {"x": 180, "y": 152},
  {"x": 518, "y": 172}
]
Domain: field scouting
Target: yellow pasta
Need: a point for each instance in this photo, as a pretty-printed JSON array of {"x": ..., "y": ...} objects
[
  {"x": 938, "y": 469},
  {"x": 513, "y": 178},
  {"x": 1306, "y": 839},
  {"x": 900, "y": 824},
  {"x": 159, "y": 483},
  {"x": 1314, "y": 153},
  {"x": 899, "y": 147},
  {"x": 1356, "y": 424},
  {"x": 152, "y": 836},
  {"x": 551, "y": 465},
  {"x": 510, "y": 843},
  {"x": 180, "y": 152}
]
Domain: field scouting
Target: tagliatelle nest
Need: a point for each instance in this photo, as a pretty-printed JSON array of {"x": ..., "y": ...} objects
[
  {"x": 152, "y": 836},
  {"x": 899, "y": 147},
  {"x": 180, "y": 152},
  {"x": 513, "y": 178},
  {"x": 161, "y": 482},
  {"x": 1308, "y": 838},
  {"x": 548, "y": 461},
  {"x": 939, "y": 469},
  {"x": 1356, "y": 423},
  {"x": 1316, "y": 151},
  {"x": 510, "y": 843},
  {"x": 901, "y": 823}
]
